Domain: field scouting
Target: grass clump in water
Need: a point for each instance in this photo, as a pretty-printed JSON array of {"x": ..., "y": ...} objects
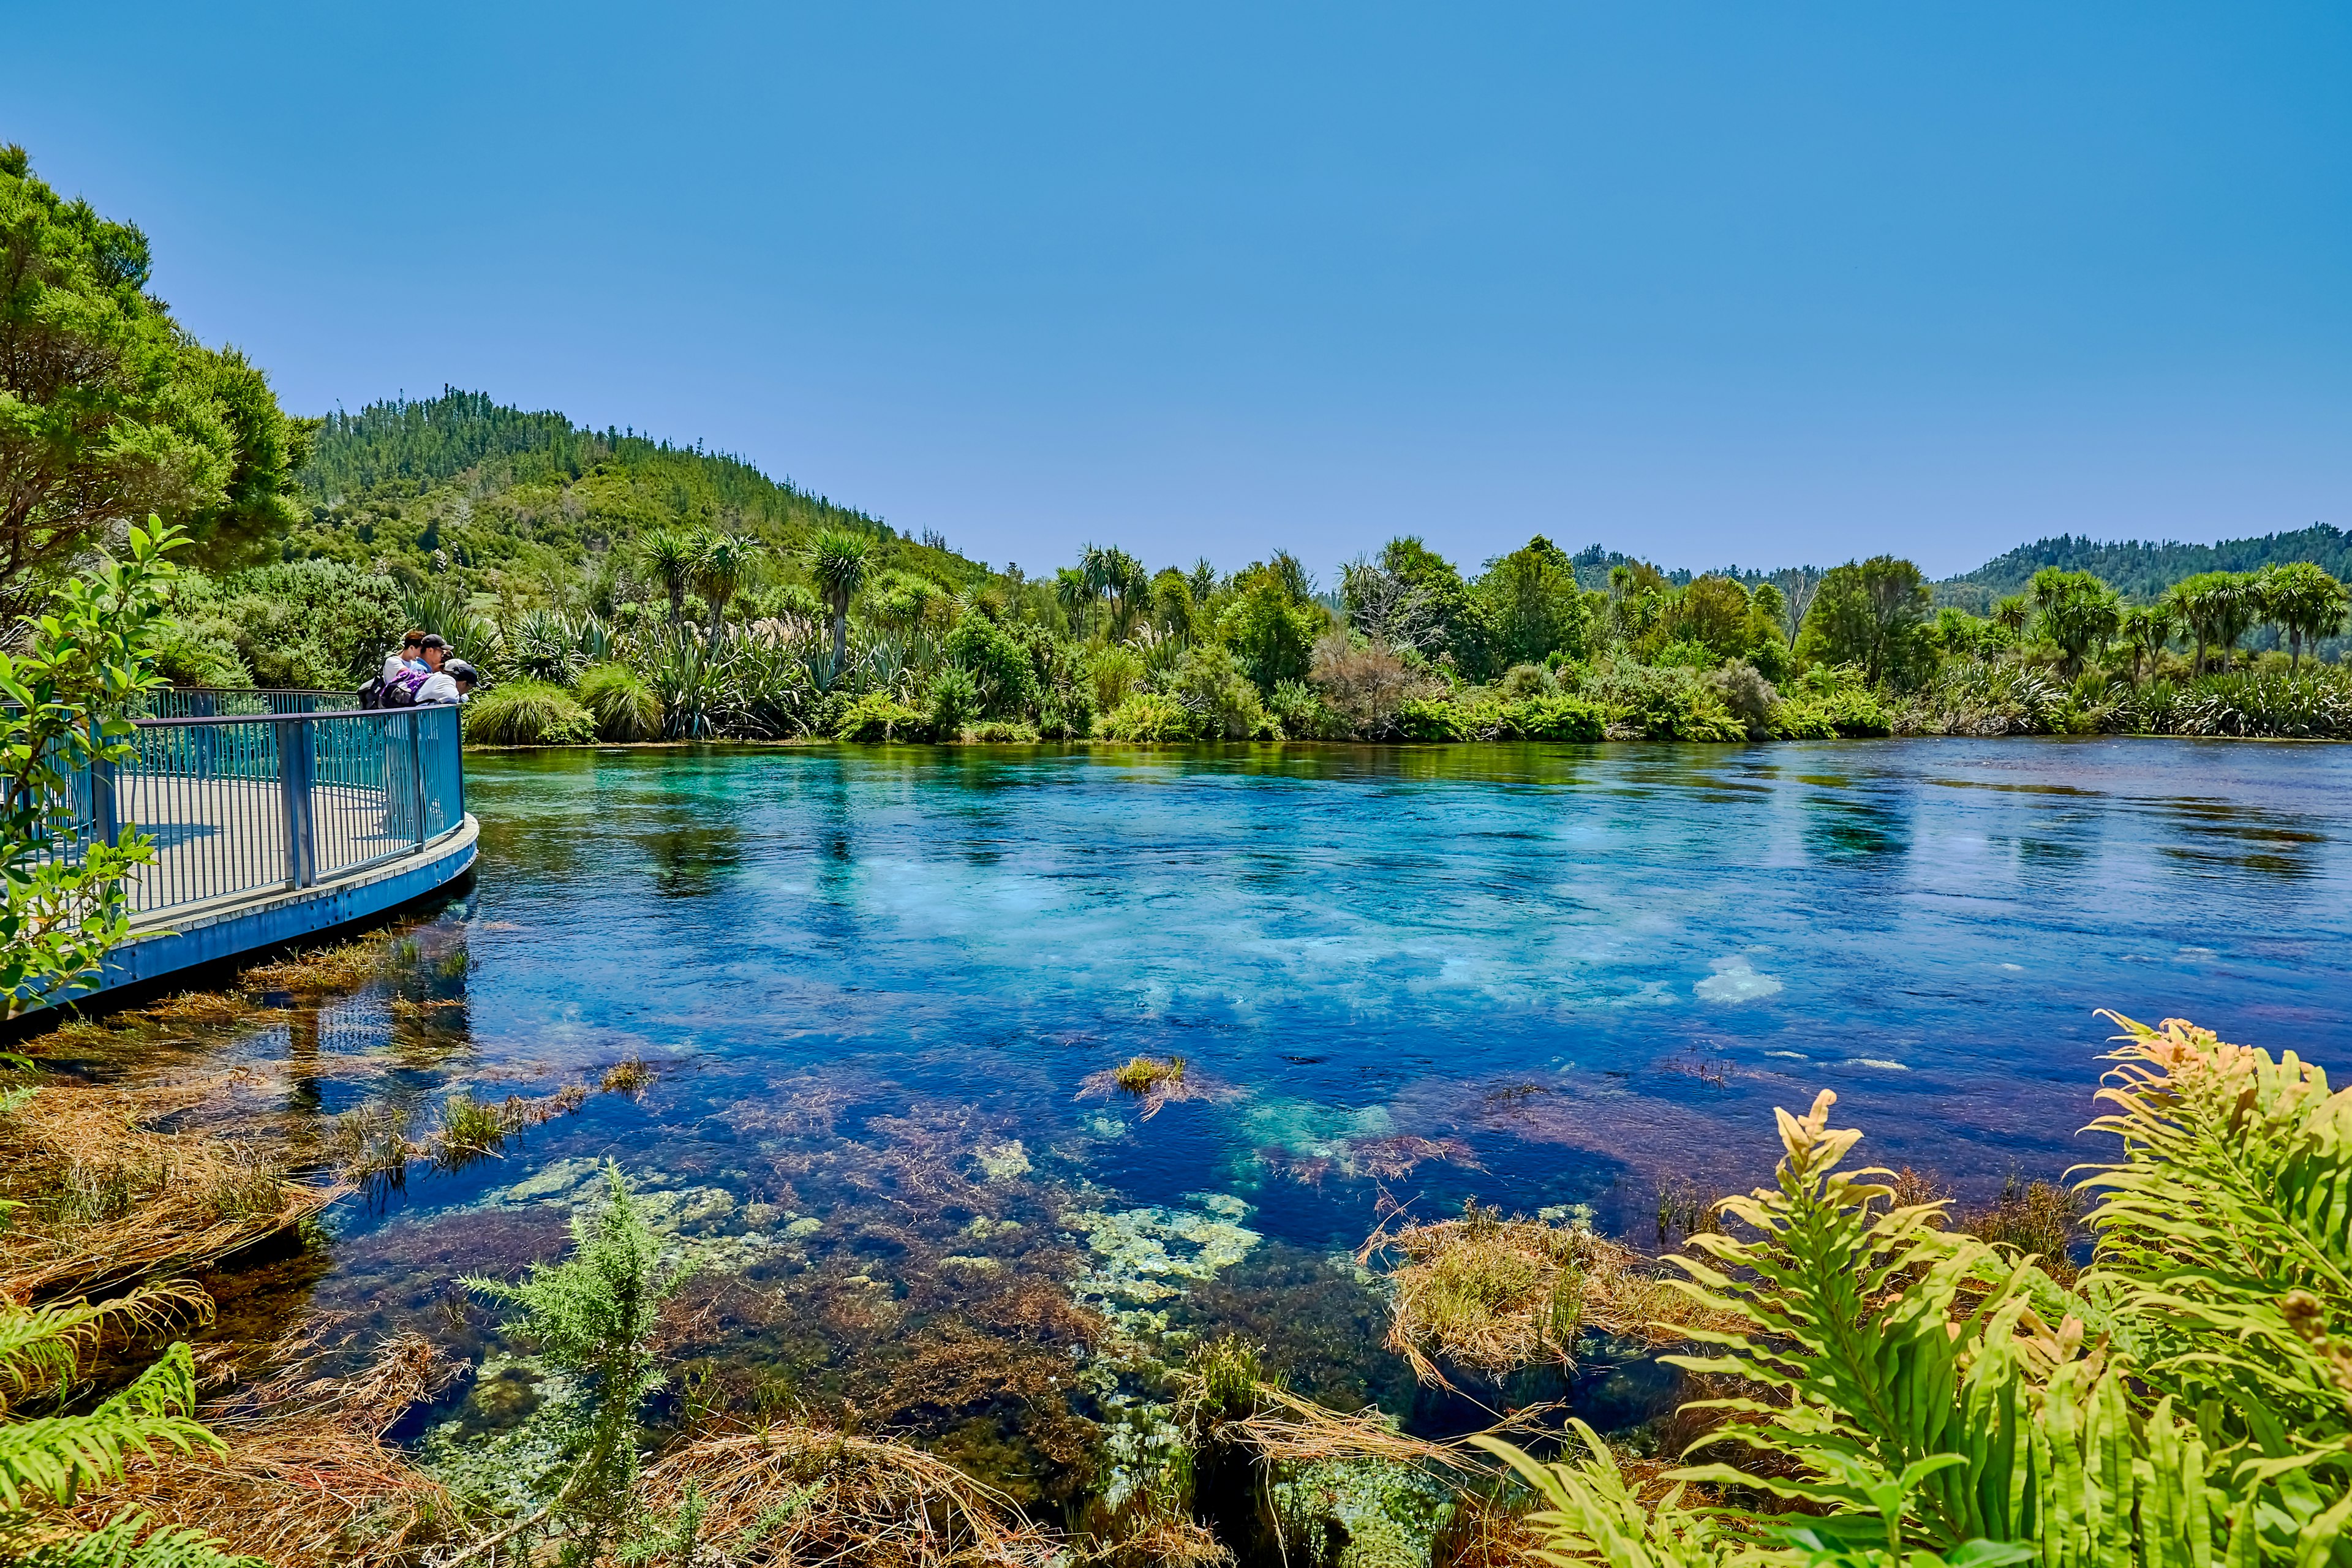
[
  {"x": 1143, "y": 1074},
  {"x": 1494, "y": 1294},
  {"x": 344, "y": 967},
  {"x": 632, "y": 1078}
]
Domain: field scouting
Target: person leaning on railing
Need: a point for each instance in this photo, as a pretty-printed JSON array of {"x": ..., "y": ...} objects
[{"x": 452, "y": 682}]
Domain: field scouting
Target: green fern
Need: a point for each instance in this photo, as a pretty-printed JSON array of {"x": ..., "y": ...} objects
[
  {"x": 1926, "y": 1397},
  {"x": 46, "y": 1461}
]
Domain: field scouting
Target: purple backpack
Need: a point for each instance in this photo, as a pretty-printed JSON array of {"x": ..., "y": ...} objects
[{"x": 400, "y": 690}]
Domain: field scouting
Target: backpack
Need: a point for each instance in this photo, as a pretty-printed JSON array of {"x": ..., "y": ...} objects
[
  {"x": 371, "y": 694},
  {"x": 400, "y": 690}
]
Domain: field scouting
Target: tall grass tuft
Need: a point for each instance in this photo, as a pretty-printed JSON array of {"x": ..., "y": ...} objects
[
  {"x": 528, "y": 713},
  {"x": 623, "y": 703}
]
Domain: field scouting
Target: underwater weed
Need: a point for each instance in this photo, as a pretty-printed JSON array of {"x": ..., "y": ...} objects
[
  {"x": 1155, "y": 1083},
  {"x": 469, "y": 1130},
  {"x": 801, "y": 1494},
  {"x": 105, "y": 1197},
  {"x": 1685, "y": 1207},
  {"x": 205, "y": 1007},
  {"x": 305, "y": 1480},
  {"x": 369, "y": 1142}
]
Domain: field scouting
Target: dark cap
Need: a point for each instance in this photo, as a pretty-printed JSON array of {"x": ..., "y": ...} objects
[
  {"x": 459, "y": 669},
  {"x": 433, "y": 639}
]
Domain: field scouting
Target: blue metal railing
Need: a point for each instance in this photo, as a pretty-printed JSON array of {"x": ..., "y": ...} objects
[
  {"x": 284, "y": 797},
  {"x": 222, "y": 701}
]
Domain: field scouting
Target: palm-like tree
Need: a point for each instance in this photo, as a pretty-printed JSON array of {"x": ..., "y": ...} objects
[
  {"x": 2077, "y": 612},
  {"x": 1128, "y": 583},
  {"x": 2216, "y": 607},
  {"x": 1074, "y": 594},
  {"x": 2011, "y": 614},
  {"x": 2305, "y": 601},
  {"x": 669, "y": 556},
  {"x": 2146, "y": 630},
  {"x": 839, "y": 561},
  {"x": 720, "y": 568}
]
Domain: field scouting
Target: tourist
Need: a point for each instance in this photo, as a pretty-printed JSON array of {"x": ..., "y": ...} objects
[
  {"x": 450, "y": 682},
  {"x": 409, "y": 656}
]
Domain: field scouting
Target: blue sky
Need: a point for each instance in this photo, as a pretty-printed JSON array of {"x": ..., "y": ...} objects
[{"x": 1715, "y": 283}]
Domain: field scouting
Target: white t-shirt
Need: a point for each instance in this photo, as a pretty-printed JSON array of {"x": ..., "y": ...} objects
[
  {"x": 393, "y": 663},
  {"x": 439, "y": 687}
]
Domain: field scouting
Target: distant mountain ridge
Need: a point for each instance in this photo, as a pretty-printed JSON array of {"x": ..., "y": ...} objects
[{"x": 2141, "y": 569}]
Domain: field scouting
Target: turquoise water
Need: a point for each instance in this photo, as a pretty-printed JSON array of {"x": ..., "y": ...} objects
[{"x": 874, "y": 984}]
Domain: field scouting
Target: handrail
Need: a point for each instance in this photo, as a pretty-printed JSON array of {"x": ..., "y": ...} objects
[
  {"x": 186, "y": 720},
  {"x": 246, "y": 804}
]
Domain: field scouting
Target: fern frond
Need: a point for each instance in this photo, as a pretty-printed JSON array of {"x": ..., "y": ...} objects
[
  {"x": 53, "y": 1457},
  {"x": 132, "y": 1541}
]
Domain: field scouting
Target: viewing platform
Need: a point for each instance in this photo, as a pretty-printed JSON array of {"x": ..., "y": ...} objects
[{"x": 277, "y": 815}]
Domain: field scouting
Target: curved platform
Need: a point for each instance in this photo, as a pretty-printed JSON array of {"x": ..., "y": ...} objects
[{"x": 193, "y": 934}]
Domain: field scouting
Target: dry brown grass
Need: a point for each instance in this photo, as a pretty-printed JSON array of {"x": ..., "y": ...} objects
[
  {"x": 206, "y": 1007},
  {"x": 1492, "y": 1294},
  {"x": 802, "y": 1497},
  {"x": 344, "y": 967},
  {"x": 306, "y": 1480},
  {"x": 109, "y": 1197}
]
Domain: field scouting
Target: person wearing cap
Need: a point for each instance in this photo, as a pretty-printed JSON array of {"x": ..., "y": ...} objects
[{"x": 451, "y": 680}]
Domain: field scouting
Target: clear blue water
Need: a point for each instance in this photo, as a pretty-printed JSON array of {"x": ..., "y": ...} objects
[{"x": 1532, "y": 975}]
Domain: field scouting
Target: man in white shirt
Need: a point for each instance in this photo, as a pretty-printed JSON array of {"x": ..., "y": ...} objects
[{"x": 450, "y": 682}]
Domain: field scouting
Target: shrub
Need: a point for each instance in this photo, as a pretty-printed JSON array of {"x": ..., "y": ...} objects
[
  {"x": 621, "y": 701},
  {"x": 1558, "y": 717},
  {"x": 1803, "y": 719},
  {"x": 201, "y": 652},
  {"x": 1525, "y": 681},
  {"x": 878, "y": 716},
  {"x": 955, "y": 700},
  {"x": 1223, "y": 702},
  {"x": 1149, "y": 716},
  {"x": 1113, "y": 672},
  {"x": 1066, "y": 713},
  {"x": 1303, "y": 715},
  {"x": 1646, "y": 704},
  {"x": 1429, "y": 719},
  {"x": 1365, "y": 685},
  {"x": 1001, "y": 731},
  {"x": 1748, "y": 695},
  {"x": 528, "y": 713},
  {"x": 1001, "y": 671}
]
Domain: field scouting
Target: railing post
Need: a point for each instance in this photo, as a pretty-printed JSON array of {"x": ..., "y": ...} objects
[
  {"x": 294, "y": 768},
  {"x": 416, "y": 774},
  {"x": 105, "y": 815}
]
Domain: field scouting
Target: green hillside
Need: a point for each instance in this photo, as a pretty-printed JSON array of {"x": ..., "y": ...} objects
[
  {"x": 521, "y": 502},
  {"x": 2141, "y": 570}
]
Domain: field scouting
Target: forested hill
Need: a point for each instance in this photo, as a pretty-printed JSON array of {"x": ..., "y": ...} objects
[
  {"x": 522, "y": 501},
  {"x": 2142, "y": 570}
]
